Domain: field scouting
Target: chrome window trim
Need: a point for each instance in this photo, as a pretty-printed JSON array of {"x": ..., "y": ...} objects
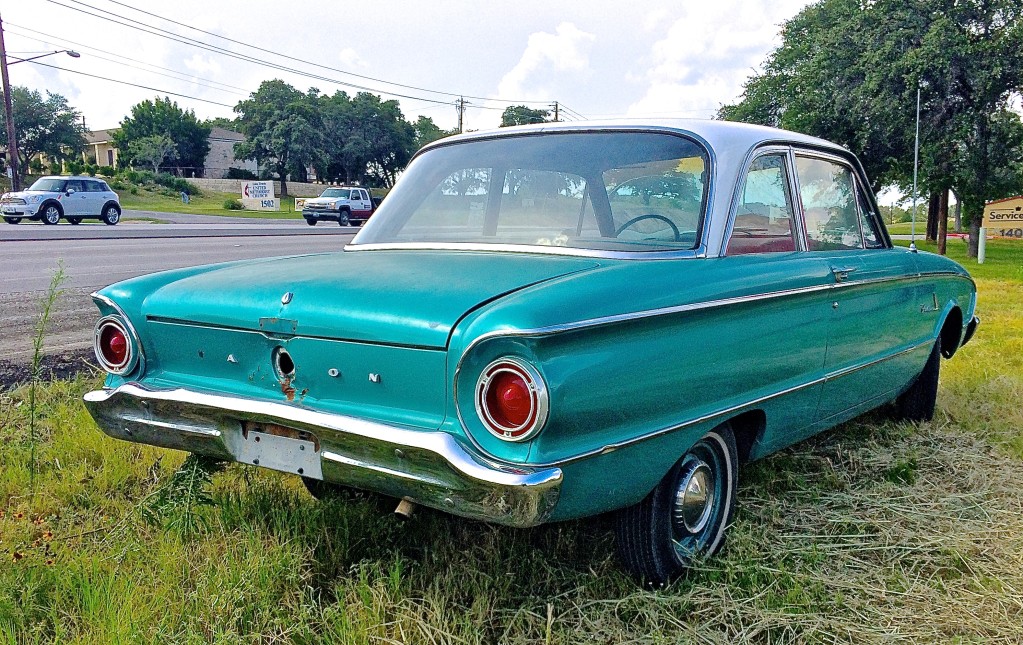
[
  {"x": 858, "y": 186},
  {"x": 703, "y": 231},
  {"x": 699, "y": 252},
  {"x": 784, "y": 151}
]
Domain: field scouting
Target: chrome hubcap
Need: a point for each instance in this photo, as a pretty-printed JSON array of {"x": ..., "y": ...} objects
[{"x": 694, "y": 499}]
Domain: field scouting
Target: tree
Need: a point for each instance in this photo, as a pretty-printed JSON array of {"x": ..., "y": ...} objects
[
  {"x": 163, "y": 117},
  {"x": 427, "y": 132},
  {"x": 152, "y": 150},
  {"x": 849, "y": 71},
  {"x": 47, "y": 126},
  {"x": 282, "y": 129},
  {"x": 522, "y": 115}
]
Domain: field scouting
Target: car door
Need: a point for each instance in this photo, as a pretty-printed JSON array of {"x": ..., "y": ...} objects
[
  {"x": 95, "y": 198},
  {"x": 874, "y": 299},
  {"x": 361, "y": 206},
  {"x": 74, "y": 203},
  {"x": 783, "y": 327}
]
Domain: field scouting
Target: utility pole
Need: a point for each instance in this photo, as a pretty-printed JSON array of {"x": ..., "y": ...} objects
[
  {"x": 555, "y": 106},
  {"x": 460, "y": 106},
  {"x": 12, "y": 145}
]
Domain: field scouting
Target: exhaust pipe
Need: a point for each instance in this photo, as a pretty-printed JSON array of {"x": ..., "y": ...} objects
[{"x": 405, "y": 508}]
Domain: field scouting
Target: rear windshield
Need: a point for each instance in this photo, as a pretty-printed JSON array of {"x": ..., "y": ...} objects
[
  {"x": 48, "y": 184},
  {"x": 620, "y": 191}
]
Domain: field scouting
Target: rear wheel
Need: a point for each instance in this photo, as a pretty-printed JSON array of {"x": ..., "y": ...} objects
[
  {"x": 918, "y": 402},
  {"x": 12, "y": 220},
  {"x": 52, "y": 214},
  {"x": 75, "y": 220},
  {"x": 111, "y": 215},
  {"x": 684, "y": 519}
]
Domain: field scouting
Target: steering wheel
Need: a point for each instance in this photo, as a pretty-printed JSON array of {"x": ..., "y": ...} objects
[{"x": 639, "y": 218}]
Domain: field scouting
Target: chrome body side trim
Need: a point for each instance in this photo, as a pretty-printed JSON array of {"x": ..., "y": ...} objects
[{"x": 429, "y": 467}]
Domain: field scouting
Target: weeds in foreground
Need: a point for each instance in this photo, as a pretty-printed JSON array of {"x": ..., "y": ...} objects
[
  {"x": 49, "y": 301},
  {"x": 175, "y": 505}
]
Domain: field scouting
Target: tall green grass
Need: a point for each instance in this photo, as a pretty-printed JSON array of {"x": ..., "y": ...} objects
[{"x": 872, "y": 532}]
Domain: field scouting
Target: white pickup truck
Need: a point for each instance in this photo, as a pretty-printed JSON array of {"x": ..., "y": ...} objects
[{"x": 345, "y": 205}]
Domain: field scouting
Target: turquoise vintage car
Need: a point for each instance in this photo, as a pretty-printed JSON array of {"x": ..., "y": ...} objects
[{"x": 550, "y": 322}]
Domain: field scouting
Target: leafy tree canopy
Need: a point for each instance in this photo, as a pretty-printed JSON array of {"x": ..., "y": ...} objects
[
  {"x": 48, "y": 126},
  {"x": 152, "y": 150},
  {"x": 848, "y": 71},
  {"x": 164, "y": 117},
  {"x": 522, "y": 115}
]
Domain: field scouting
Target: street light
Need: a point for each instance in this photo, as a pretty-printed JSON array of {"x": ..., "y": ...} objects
[
  {"x": 70, "y": 52},
  {"x": 12, "y": 144}
]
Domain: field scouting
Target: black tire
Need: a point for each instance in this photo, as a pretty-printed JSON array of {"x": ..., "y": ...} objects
[
  {"x": 918, "y": 402},
  {"x": 342, "y": 218},
  {"x": 662, "y": 536},
  {"x": 111, "y": 214},
  {"x": 52, "y": 214},
  {"x": 310, "y": 221},
  {"x": 13, "y": 220},
  {"x": 75, "y": 220}
]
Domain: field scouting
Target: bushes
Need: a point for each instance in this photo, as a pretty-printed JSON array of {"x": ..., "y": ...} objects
[
  {"x": 165, "y": 179},
  {"x": 233, "y": 205},
  {"x": 240, "y": 173}
]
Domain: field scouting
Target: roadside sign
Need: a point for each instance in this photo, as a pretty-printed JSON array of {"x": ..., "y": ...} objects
[
  {"x": 264, "y": 204},
  {"x": 300, "y": 203},
  {"x": 1004, "y": 217},
  {"x": 257, "y": 190}
]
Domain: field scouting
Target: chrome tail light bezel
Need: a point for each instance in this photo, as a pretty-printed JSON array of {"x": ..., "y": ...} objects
[
  {"x": 133, "y": 357},
  {"x": 539, "y": 400}
]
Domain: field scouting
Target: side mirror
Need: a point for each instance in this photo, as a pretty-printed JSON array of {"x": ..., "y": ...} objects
[{"x": 69, "y": 192}]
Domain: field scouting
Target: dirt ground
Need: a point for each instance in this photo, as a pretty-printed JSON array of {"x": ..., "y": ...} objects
[{"x": 67, "y": 347}]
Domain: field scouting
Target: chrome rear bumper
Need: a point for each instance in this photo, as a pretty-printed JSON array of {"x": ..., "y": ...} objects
[{"x": 429, "y": 467}]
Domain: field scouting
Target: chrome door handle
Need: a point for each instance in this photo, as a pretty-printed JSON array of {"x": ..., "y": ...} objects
[{"x": 842, "y": 273}]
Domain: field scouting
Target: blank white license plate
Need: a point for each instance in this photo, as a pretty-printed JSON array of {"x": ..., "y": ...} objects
[{"x": 287, "y": 454}]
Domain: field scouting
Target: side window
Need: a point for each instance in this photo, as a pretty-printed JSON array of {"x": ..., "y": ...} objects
[
  {"x": 93, "y": 187},
  {"x": 75, "y": 185},
  {"x": 827, "y": 190},
  {"x": 763, "y": 218},
  {"x": 872, "y": 238}
]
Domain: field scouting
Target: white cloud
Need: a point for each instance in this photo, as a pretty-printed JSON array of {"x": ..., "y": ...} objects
[
  {"x": 567, "y": 50},
  {"x": 350, "y": 58},
  {"x": 202, "y": 65},
  {"x": 707, "y": 54}
]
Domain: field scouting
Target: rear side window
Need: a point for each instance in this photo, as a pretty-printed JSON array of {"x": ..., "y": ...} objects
[
  {"x": 94, "y": 187},
  {"x": 763, "y": 218},
  {"x": 828, "y": 192}
]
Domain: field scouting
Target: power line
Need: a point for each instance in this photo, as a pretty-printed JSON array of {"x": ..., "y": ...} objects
[
  {"x": 189, "y": 79},
  {"x": 185, "y": 40},
  {"x": 302, "y": 60},
  {"x": 114, "y": 80}
]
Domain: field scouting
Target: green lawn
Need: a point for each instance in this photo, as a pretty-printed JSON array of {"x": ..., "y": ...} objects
[
  {"x": 209, "y": 203},
  {"x": 875, "y": 531}
]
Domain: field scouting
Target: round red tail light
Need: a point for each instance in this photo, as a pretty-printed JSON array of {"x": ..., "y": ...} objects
[
  {"x": 113, "y": 346},
  {"x": 511, "y": 399}
]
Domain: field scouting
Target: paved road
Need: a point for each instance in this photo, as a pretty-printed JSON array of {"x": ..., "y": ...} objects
[{"x": 29, "y": 254}]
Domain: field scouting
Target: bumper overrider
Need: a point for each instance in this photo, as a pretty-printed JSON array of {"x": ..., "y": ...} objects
[{"x": 431, "y": 468}]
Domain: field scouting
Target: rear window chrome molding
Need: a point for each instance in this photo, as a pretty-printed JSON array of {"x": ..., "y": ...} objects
[{"x": 698, "y": 252}]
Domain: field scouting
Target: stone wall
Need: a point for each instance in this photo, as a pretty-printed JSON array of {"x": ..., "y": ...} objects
[{"x": 295, "y": 188}]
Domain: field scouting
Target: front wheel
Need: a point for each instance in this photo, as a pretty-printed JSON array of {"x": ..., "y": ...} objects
[
  {"x": 310, "y": 221},
  {"x": 111, "y": 215},
  {"x": 684, "y": 519},
  {"x": 13, "y": 220},
  {"x": 342, "y": 218},
  {"x": 51, "y": 215},
  {"x": 918, "y": 402}
]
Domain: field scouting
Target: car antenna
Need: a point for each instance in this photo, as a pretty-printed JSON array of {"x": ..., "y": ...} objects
[{"x": 916, "y": 163}]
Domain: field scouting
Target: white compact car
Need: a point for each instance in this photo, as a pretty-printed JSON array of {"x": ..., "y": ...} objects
[{"x": 73, "y": 198}]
